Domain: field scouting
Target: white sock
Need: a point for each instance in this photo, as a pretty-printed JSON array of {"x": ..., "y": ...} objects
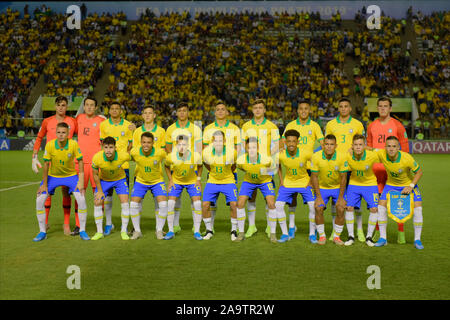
[
  {"x": 359, "y": 219},
  {"x": 170, "y": 214},
  {"x": 268, "y": 219},
  {"x": 338, "y": 230},
  {"x": 197, "y": 215},
  {"x": 108, "y": 210},
  {"x": 382, "y": 221},
  {"x": 272, "y": 216},
  {"x": 156, "y": 209},
  {"x": 234, "y": 223},
  {"x": 98, "y": 215},
  {"x": 135, "y": 215},
  {"x": 241, "y": 219},
  {"x": 281, "y": 216},
  {"x": 125, "y": 215},
  {"x": 213, "y": 216},
  {"x": 40, "y": 211},
  {"x": 207, "y": 222},
  {"x": 291, "y": 211},
  {"x": 373, "y": 217},
  {"x": 162, "y": 215},
  {"x": 312, "y": 218},
  {"x": 321, "y": 230},
  {"x": 82, "y": 210},
  {"x": 193, "y": 212},
  {"x": 418, "y": 222},
  {"x": 177, "y": 210},
  {"x": 350, "y": 221},
  {"x": 251, "y": 211}
]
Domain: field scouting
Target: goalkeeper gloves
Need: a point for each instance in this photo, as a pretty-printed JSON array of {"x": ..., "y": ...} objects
[{"x": 35, "y": 164}]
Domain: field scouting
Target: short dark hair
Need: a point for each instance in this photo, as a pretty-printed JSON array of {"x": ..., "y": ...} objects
[
  {"x": 182, "y": 137},
  {"x": 330, "y": 137},
  {"x": 251, "y": 139},
  {"x": 148, "y": 135},
  {"x": 292, "y": 133},
  {"x": 344, "y": 99},
  {"x": 109, "y": 141},
  {"x": 358, "y": 137},
  {"x": 62, "y": 125},
  {"x": 60, "y": 99},
  {"x": 304, "y": 101},
  {"x": 113, "y": 103},
  {"x": 183, "y": 104},
  {"x": 392, "y": 138},
  {"x": 150, "y": 106},
  {"x": 385, "y": 98},
  {"x": 90, "y": 98},
  {"x": 219, "y": 133},
  {"x": 258, "y": 101}
]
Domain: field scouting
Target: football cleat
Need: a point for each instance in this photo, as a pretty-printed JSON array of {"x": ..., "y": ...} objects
[
  {"x": 66, "y": 229},
  {"x": 124, "y": 235},
  {"x": 76, "y": 231},
  {"x": 418, "y": 244},
  {"x": 98, "y": 236},
  {"x": 376, "y": 235},
  {"x": 41, "y": 236},
  {"x": 401, "y": 237},
  {"x": 273, "y": 238},
  {"x": 108, "y": 229},
  {"x": 176, "y": 229},
  {"x": 170, "y": 235},
  {"x": 350, "y": 241},
  {"x": 337, "y": 240},
  {"x": 381, "y": 242},
  {"x": 251, "y": 231},
  {"x": 292, "y": 232},
  {"x": 84, "y": 235},
  {"x": 240, "y": 237},
  {"x": 313, "y": 239},
  {"x": 332, "y": 236},
  {"x": 284, "y": 238},
  {"x": 198, "y": 236},
  {"x": 159, "y": 235},
  {"x": 370, "y": 242},
  {"x": 209, "y": 235},
  {"x": 136, "y": 235},
  {"x": 233, "y": 235},
  {"x": 361, "y": 237},
  {"x": 322, "y": 240}
]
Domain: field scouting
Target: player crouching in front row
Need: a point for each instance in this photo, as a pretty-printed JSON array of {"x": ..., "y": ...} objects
[{"x": 59, "y": 171}]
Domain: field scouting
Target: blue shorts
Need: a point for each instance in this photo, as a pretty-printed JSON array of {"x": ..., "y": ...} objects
[
  {"x": 287, "y": 194},
  {"x": 356, "y": 193},
  {"x": 55, "y": 182},
  {"x": 329, "y": 193},
  {"x": 415, "y": 192},
  {"x": 127, "y": 176},
  {"x": 248, "y": 188},
  {"x": 192, "y": 190},
  {"x": 121, "y": 186},
  {"x": 140, "y": 189},
  {"x": 212, "y": 192}
]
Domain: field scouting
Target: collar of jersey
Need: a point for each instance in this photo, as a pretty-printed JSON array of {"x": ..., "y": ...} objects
[
  {"x": 325, "y": 158},
  {"x": 254, "y": 123},
  {"x": 308, "y": 122},
  {"x": 66, "y": 147},
  {"x": 106, "y": 159},
  {"x": 217, "y": 125},
  {"x": 257, "y": 161},
  {"x": 362, "y": 158},
  {"x": 178, "y": 156},
  {"x": 339, "y": 121},
  {"x": 398, "y": 158},
  {"x": 120, "y": 123},
  {"x": 151, "y": 152},
  {"x": 296, "y": 155},
  {"x": 187, "y": 124},
  {"x": 224, "y": 151},
  {"x": 153, "y": 130}
]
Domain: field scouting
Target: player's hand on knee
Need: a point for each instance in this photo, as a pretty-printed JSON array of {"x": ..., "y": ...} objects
[
  {"x": 318, "y": 203},
  {"x": 42, "y": 189},
  {"x": 407, "y": 190},
  {"x": 99, "y": 196}
]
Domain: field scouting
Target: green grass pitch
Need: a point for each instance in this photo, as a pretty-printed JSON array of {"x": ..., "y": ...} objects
[{"x": 184, "y": 268}]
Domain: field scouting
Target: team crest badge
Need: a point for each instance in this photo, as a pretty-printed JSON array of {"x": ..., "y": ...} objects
[
  {"x": 400, "y": 206},
  {"x": 367, "y": 167},
  {"x": 390, "y": 130},
  {"x": 122, "y": 133},
  {"x": 156, "y": 138},
  {"x": 310, "y": 132},
  {"x": 336, "y": 168},
  {"x": 400, "y": 170},
  {"x": 118, "y": 167},
  {"x": 95, "y": 124},
  {"x": 351, "y": 130},
  {"x": 301, "y": 164},
  {"x": 155, "y": 162},
  {"x": 69, "y": 155}
]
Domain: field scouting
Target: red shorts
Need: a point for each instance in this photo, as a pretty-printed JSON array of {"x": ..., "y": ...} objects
[
  {"x": 88, "y": 176},
  {"x": 381, "y": 174}
]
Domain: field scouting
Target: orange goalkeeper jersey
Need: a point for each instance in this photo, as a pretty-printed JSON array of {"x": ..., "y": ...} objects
[{"x": 48, "y": 129}]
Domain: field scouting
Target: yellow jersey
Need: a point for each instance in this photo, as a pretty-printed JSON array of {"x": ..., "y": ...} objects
[
  {"x": 344, "y": 132},
  {"x": 310, "y": 132},
  {"x": 110, "y": 170},
  {"x": 158, "y": 132},
  {"x": 62, "y": 159},
  {"x": 148, "y": 168},
  {"x": 191, "y": 130},
  {"x": 266, "y": 132},
  {"x": 230, "y": 130},
  {"x": 220, "y": 165},
  {"x": 296, "y": 168},
  {"x": 400, "y": 172},
  {"x": 183, "y": 170},
  {"x": 256, "y": 173},
  {"x": 362, "y": 170},
  {"x": 120, "y": 132},
  {"x": 329, "y": 170}
]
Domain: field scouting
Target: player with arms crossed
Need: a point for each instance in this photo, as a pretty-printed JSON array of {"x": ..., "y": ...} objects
[
  {"x": 268, "y": 143},
  {"x": 88, "y": 124},
  {"x": 329, "y": 178},
  {"x": 377, "y": 132},
  {"x": 109, "y": 175},
  {"x": 183, "y": 126},
  {"x": 257, "y": 168},
  {"x": 184, "y": 171},
  {"x": 48, "y": 130},
  {"x": 403, "y": 174},
  {"x": 220, "y": 164},
  {"x": 310, "y": 132},
  {"x": 232, "y": 140},
  {"x": 59, "y": 171},
  {"x": 344, "y": 127},
  {"x": 296, "y": 180},
  {"x": 363, "y": 184},
  {"x": 148, "y": 158},
  {"x": 121, "y": 130}
]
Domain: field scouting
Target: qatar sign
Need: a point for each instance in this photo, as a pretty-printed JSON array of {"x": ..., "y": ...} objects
[{"x": 442, "y": 147}]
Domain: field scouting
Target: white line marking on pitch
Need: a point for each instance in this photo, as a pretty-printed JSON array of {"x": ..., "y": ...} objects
[{"x": 23, "y": 185}]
